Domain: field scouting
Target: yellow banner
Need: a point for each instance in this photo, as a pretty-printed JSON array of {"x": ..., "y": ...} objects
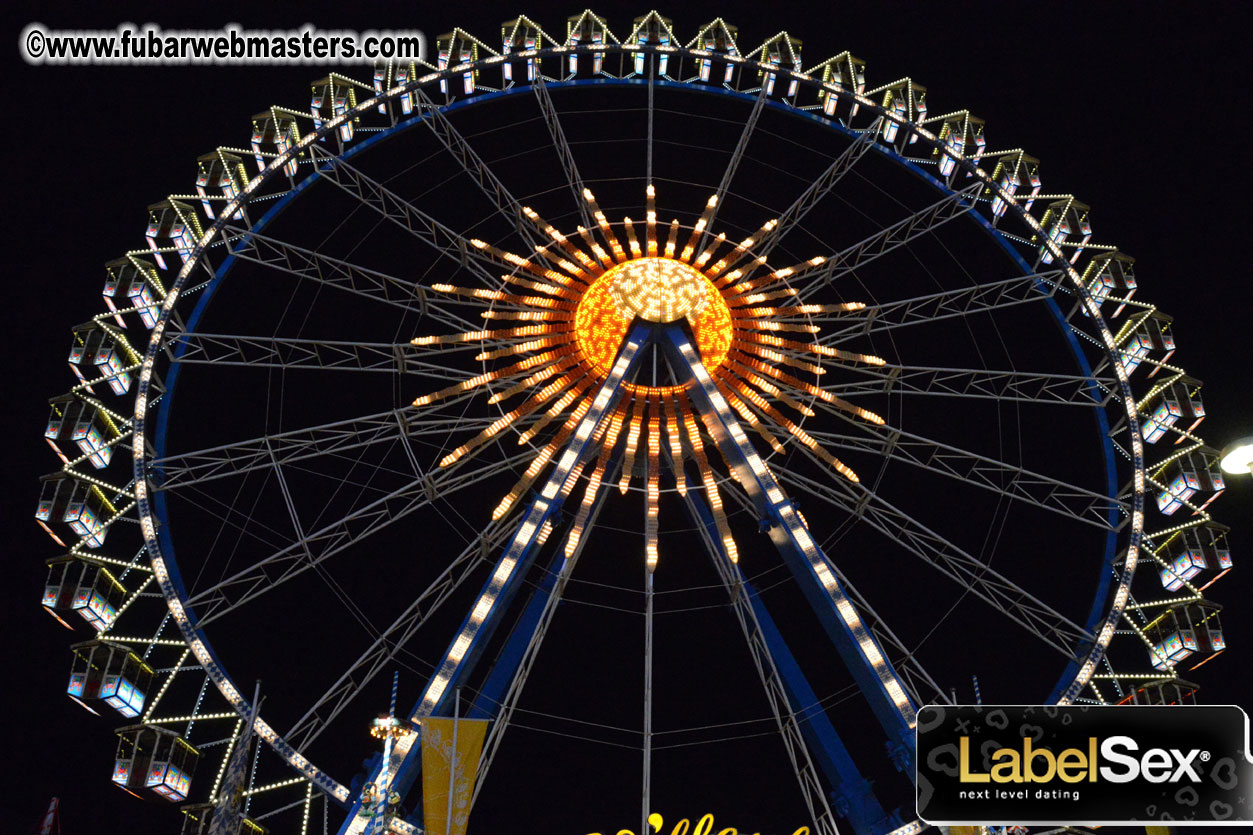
[{"x": 446, "y": 765}]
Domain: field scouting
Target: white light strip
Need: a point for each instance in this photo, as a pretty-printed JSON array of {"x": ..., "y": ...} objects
[
  {"x": 522, "y": 540},
  {"x": 800, "y": 535}
]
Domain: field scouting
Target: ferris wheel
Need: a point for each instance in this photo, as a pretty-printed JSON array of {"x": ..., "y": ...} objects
[{"x": 812, "y": 366}]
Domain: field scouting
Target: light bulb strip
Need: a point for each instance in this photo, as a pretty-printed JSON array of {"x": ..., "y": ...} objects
[
  {"x": 477, "y": 336},
  {"x": 518, "y": 261},
  {"x": 483, "y": 379},
  {"x": 676, "y": 444},
  {"x": 562, "y": 241},
  {"x": 773, "y": 327},
  {"x": 808, "y": 388},
  {"x": 773, "y": 278},
  {"x": 526, "y": 316},
  {"x": 632, "y": 242},
  {"x": 653, "y": 493},
  {"x": 569, "y": 358},
  {"x": 795, "y": 431},
  {"x": 750, "y": 417},
  {"x": 704, "y": 257},
  {"x": 558, "y": 290},
  {"x": 671, "y": 238},
  {"x": 632, "y": 442},
  {"x": 698, "y": 230},
  {"x": 808, "y": 347},
  {"x": 594, "y": 482},
  {"x": 496, "y": 427},
  {"x": 605, "y": 228},
  {"x": 558, "y": 336},
  {"x": 650, "y": 215},
  {"x": 753, "y": 378},
  {"x": 707, "y": 479},
  {"x": 736, "y": 256},
  {"x": 500, "y": 296},
  {"x": 779, "y": 357},
  {"x": 580, "y": 386},
  {"x": 605, "y": 261},
  {"x": 754, "y": 298},
  {"x": 541, "y": 461}
]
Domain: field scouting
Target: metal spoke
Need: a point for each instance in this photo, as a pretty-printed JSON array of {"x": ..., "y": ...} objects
[
  {"x": 786, "y": 719},
  {"x": 733, "y": 164},
  {"x": 921, "y": 222},
  {"x": 562, "y": 147},
  {"x": 913, "y": 675},
  {"x": 1018, "y": 483},
  {"x": 195, "y": 467},
  {"x": 483, "y": 176},
  {"x": 989, "y": 585},
  {"x": 289, "y": 353},
  {"x": 648, "y": 168},
  {"x": 391, "y": 641},
  {"x": 372, "y": 194},
  {"x": 323, "y": 269},
  {"x": 949, "y": 304},
  {"x": 274, "y": 570},
  {"x": 1021, "y": 386},
  {"x": 817, "y": 190}
]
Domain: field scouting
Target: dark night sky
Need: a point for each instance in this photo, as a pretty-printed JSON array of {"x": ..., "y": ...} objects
[{"x": 1141, "y": 110}]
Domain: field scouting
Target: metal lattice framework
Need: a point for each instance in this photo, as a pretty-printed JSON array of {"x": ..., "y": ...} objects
[{"x": 591, "y": 415}]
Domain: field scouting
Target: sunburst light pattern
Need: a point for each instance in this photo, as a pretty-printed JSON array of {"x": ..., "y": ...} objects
[{"x": 554, "y": 331}]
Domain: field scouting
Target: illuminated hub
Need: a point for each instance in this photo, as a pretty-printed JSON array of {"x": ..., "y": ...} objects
[
  {"x": 658, "y": 290},
  {"x": 556, "y": 324}
]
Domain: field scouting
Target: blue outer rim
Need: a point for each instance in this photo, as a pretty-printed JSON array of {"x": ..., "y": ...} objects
[{"x": 171, "y": 377}]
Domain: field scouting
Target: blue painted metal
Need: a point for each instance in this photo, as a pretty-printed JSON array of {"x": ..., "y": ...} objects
[
  {"x": 505, "y": 666},
  {"x": 773, "y": 506},
  {"x": 163, "y": 409},
  {"x": 853, "y": 794},
  {"x": 508, "y": 577}
]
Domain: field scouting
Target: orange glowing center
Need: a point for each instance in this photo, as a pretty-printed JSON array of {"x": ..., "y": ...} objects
[{"x": 658, "y": 290}]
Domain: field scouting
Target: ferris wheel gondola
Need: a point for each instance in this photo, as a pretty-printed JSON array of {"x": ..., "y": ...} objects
[{"x": 751, "y": 353}]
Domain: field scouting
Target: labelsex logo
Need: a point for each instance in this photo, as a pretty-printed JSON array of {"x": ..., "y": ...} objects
[{"x": 1073, "y": 765}]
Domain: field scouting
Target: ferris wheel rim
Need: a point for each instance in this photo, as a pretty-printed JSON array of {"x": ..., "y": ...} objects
[{"x": 274, "y": 170}]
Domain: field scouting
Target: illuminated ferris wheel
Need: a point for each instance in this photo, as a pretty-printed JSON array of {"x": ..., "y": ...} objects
[{"x": 811, "y": 366}]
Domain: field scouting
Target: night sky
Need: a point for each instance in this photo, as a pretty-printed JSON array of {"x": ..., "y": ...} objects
[{"x": 1139, "y": 110}]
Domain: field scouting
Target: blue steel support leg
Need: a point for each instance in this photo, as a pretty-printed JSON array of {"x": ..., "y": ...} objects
[
  {"x": 853, "y": 793},
  {"x": 858, "y": 649},
  {"x": 486, "y": 615},
  {"x": 505, "y": 668}
]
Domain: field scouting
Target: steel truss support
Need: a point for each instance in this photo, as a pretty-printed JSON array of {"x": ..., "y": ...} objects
[
  {"x": 1017, "y": 483},
  {"x": 1022, "y": 386},
  {"x": 733, "y": 165},
  {"x": 306, "y": 264},
  {"x": 189, "y": 469},
  {"x": 290, "y": 353},
  {"x": 573, "y": 178},
  {"x": 393, "y": 207},
  {"x": 319, "y": 545},
  {"x": 989, "y": 585},
  {"x": 817, "y": 190},
  {"x": 483, "y": 176},
  {"x": 493, "y": 600},
  {"x": 920, "y": 223},
  {"x": 858, "y": 648},
  {"x": 803, "y": 725},
  {"x": 948, "y": 304}
]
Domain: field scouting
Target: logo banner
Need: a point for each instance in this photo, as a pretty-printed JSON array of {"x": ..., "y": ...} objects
[
  {"x": 1001, "y": 764},
  {"x": 447, "y": 765}
]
